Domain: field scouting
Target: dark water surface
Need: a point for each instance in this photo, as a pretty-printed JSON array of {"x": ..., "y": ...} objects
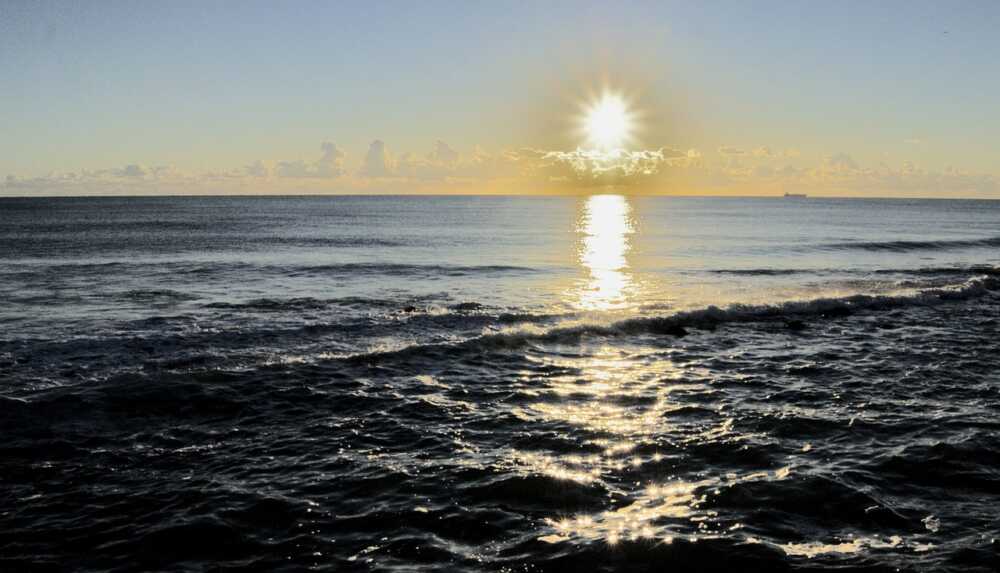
[{"x": 499, "y": 384}]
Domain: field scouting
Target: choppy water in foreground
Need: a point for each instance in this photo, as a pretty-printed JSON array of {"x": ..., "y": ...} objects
[{"x": 516, "y": 384}]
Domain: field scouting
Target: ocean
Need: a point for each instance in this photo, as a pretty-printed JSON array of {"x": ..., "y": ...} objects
[{"x": 597, "y": 383}]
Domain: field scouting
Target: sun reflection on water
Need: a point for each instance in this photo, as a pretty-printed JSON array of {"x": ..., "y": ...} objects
[
  {"x": 605, "y": 227},
  {"x": 659, "y": 512},
  {"x": 625, "y": 413},
  {"x": 627, "y": 408},
  {"x": 634, "y": 430}
]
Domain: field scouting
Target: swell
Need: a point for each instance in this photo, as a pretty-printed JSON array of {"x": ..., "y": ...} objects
[
  {"x": 184, "y": 342},
  {"x": 389, "y": 269},
  {"x": 922, "y": 271},
  {"x": 409, "y": 306},
  {"x": 292, "y": 270},
  {"x": 908, "y": 246},
  {"x": 763, "y": 272},
  {"x": 170, "y": 240}
]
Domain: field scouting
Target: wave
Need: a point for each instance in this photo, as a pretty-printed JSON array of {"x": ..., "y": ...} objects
[
  {"x": 272, "y": 305},
  {"x": 792, "y": 315},
  {"x": 291, "y": 270},
  {"x": 908, "y": 246},
  {"x": 763, "y": 272},
  {"x": 411, "y": 305},
  {"x": 817, "y": 308},
  {"x": 398, "y": 269},
  {"x": 162, "y": 237},
  {"x": 949, "y": 271},
  {"x": 937, "y": 271},
  {"x": 151, "y": 295}
]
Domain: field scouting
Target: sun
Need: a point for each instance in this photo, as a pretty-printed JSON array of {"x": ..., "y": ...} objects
[{"x": 607, "y": 122}]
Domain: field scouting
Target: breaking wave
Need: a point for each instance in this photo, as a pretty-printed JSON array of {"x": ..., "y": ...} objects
[{"x": 794, "y": 315}]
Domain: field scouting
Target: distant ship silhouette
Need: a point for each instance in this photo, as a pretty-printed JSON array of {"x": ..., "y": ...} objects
[{"x": 796, "y": 195}]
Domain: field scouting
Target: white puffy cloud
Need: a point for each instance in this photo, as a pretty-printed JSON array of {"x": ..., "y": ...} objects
[{"x": 617, "y": 164}]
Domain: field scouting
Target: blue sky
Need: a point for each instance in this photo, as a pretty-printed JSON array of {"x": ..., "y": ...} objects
[{"x": 210, "y": 87}]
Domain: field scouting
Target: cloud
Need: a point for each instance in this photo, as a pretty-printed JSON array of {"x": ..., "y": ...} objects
[
  {"x": 761, "y": 152},
  {"x": 840, "y": 163},
  {"x": 332, "y": 162},
  {"x": 257, "y": 169},
  {"x": 377, "y": 161},
  {"x": 841, "y": 173},
  {"x": 443, "y": 169},
  {"x": 444, "y": 163},
  {"x": 440, "y": 163},
  {"x": 328, "y": 166},
  {"x": 586, "y": 167},
  {"x": 617, "y": 164},
  {"x": 763, "y": 170},
  {"x": 443, "y": 154},
  {"x": 132, "y": 171},
  {"x": 594, "y": 167},
  {"x": 679, "y": 158},
  {"x": 730, "y": 151},
  {"x": 296, "y": 168},
  {"x": 765, "y": 152},
  {"x": 125, "y": 179}
]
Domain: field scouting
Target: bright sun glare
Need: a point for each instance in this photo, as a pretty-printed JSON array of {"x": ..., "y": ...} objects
[{"x": 608, "y": 122}]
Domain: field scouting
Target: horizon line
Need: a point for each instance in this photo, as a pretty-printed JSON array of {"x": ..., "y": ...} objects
[{"x": 397, "y": 195}]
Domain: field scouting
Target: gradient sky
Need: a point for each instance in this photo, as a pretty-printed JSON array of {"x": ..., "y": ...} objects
[{"x": 861, "y": 98}]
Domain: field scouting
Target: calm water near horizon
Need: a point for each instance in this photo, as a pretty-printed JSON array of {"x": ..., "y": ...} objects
[{"x": 499, "y": 383}]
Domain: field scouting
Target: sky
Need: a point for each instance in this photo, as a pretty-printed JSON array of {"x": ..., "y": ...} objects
[{"x": 750, "y": 98}]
